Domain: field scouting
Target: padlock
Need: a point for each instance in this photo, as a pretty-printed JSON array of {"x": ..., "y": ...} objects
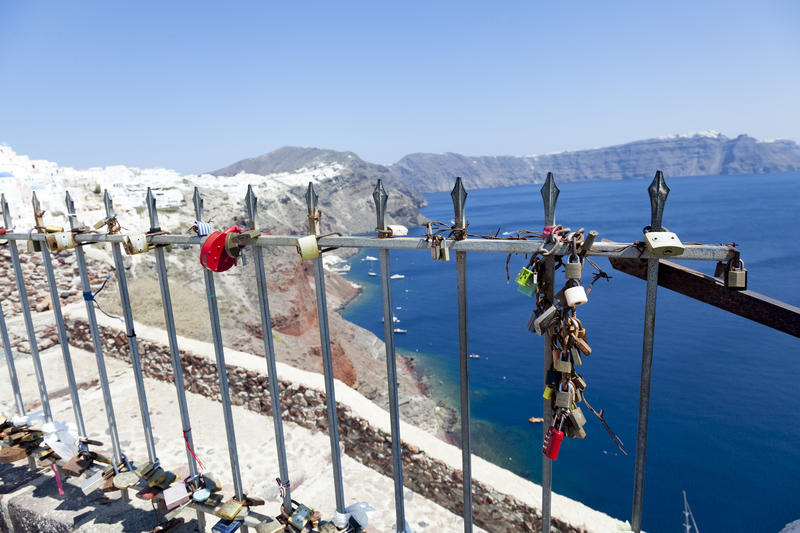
[
  {"x": 573, "y": 268},
  {"x": 576, "y": 417},
  {"x": 211, "y": 482},
  {"x": 736, "y": 277},
  {"x": 561, "y": 364},
  {"x": 575, "y": 354},
  {"x": 444, "y": 252},
  {"x": 13, "y": 453},
  {"x": 575, "y": 432},
  {"x": 579, "y": 382},
  {"x": 229, "y": 510},
  {"x": 582, "y": 345},
  {"x": 145, "y": 470},
  {"x": 227, "y": 526},
  {"x": 135, "y": 244},
  {"x": 544, "y": 320},
  {"x": 217, "y": 254},
  {"x": 63, "y": 240},
  {"x": 564, "y": 398},
  {"x": 720, "y": 270},
  {"x": 164, "y": 485},
  {"x": 201, "y": 495},
  {"x": 33, "y": 246},
  {"x": 554, "y": 437},
  {"x": 301, "y": 516},
  {"x": 527, "y": 281},
  {"x": 156, "y": 477},
  {"x": 307, "y": 247},
  {"x": 270, "y": 525},
  {"x": 663, "y": 243},
  {"x": 175, "y": 495},
  {"x": 548, "y": 392},
  {"x": 575, "y": 295},
  {"x": 552, "y": 378},
  {"x": 324, "y": 527},
  {"x": 435, "y": 249},
  {"x": 396, "y": 230},
  {"x": 93, "y": 482}
]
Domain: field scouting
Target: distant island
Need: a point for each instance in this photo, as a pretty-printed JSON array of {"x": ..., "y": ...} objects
[{"x": 693, "y": 154}]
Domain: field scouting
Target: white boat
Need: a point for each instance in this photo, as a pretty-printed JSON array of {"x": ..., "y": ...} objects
[
  {"x": 394, "y": 319},
  {"x": 398, "y": 330},
  {"x": 370, "y": 258},
  {"x": 371, "y": 274},
  {"x": 397, "y": 276},
  {"x": 474, "y": 356}
]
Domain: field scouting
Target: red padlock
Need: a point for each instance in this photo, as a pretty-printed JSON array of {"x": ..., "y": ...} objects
[
  {"x": 2, "y": 231},
  {"x": 552, "y": 442},
  {"x": 214, "y": 255}
]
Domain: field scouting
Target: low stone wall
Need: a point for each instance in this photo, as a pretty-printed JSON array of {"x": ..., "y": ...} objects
[{"x": 433, "y": 479}]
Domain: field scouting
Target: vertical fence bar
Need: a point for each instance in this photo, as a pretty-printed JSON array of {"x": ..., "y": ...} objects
[
  {"x": 60, "y": 328},
  {"x": 222, "y": 369},
  {"x": 177, "y": 370},
  {"x": 98, "y": 344},
  {"x": 251, "y": 202},
  {"x": 12, "y": 369},
  {"x": 133, "y": 345},
  {"x": 26, "y": 313},
  {"x": 325, "y": 345},
  {"x": 658, "y": 192},
  {"x": 459, "y": 196},
  {"x": 549, "y": 196},
  {"x": 380, "y": 197}
]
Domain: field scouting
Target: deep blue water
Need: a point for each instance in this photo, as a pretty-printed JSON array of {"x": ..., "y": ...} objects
[{"x": 725, "y": 409}]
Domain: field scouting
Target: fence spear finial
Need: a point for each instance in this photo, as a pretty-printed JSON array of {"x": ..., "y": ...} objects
[
  {"x": 108, "y": 203},
  {"x": 70, "y": 210},
  {"x": 459, "y": 197},
  {"x": 150, "y": 200},
  {"x": 198, "y": 204},
  {"x": 6, "y": 213},
  {"x": 380, "y": 196},
  {"x": 658, "y": 192},
  {"x": 251, "y": 204},
  {"x": 550, "y": 194},
  {"x": 312, "y": 200}
]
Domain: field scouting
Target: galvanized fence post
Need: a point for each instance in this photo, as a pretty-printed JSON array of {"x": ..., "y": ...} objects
[
  {"x": 177, "y": 370},
  {"x": 133, "y": 345},
  {"x": 12, "y": 369},
  {"x": 26, "y": 313},
  {"x": 459, "y": 197},
  {"x": 380, "y": 197},
  {"x": 325, "y": 345},
  {"x": 549, "y": 196},
  {"x": 658, "y": 192},
  {"x": 251, "y": 202},
  {"x": 222, "y": 370},
  {"x": 93, "y": 328}
]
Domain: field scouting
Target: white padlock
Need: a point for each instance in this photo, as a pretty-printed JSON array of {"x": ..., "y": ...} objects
[
  {"x": 135, "y": 244},
  {"x": 663, "y": 243},
  {"x": 175, "y": 495},
  {"x": 575, "y": 296},
  {"x": 396, "y": 230},
  {"x": 62, "y": 240},
  {"x": 307, "y": 247}
]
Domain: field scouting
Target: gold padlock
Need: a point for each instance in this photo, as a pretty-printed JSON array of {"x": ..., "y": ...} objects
[
  {"x": 229, "y": 510},
  {"x": 63, "y": 240}
]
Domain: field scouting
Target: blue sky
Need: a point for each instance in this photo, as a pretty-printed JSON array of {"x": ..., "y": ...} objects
[{"x": 198, "y": 85}]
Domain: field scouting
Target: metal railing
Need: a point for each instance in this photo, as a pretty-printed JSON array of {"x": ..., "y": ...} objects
[{"x": 658, "y": 193}]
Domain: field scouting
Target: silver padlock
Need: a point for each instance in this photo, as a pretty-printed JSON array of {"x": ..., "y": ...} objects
[
  {"x": 444, "y": 252},
  {"x": 544, "y": 320},
  {"x": 576, "y": 417},
  {"x": 92, "y": 483},
  {"x": 575, "y": 353},
  {"x": 736, "y": 277},
  {"x": 573, "y": 268},
  {"x": 564, "y": 397},
  {"x": 663, "y": 243}
]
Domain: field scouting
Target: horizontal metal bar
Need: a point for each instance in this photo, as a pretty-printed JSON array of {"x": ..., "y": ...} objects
[{"x": 693, "y": 252}]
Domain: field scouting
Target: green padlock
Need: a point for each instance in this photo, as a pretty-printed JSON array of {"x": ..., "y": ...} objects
[
  {"x": 526, "y": 279},
  {"x": 548, "y": 392}
]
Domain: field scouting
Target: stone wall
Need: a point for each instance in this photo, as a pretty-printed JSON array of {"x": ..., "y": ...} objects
[{"x": 433, "y": 479}]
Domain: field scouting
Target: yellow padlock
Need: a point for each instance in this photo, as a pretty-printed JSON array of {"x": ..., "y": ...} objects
[
  {"x": 548, "y": 392},
  {"x": 63, "y": 240}
]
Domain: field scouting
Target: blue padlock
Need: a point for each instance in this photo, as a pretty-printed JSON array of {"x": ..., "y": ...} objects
[{"x": 227, "y": 526}]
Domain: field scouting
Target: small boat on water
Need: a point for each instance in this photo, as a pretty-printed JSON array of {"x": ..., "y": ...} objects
[
  {"x": 397, "y": 276},
  {"x": 371, "y": 274},
  {"x": 535, "y": 420},
  {"x": 474, "y": 356},
  {"x": 370, "y": 258},
  {"x": 399, "y": 330}
]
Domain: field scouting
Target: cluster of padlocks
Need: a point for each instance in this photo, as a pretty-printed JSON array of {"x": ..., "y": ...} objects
[
  {"x": 559, "y": 320},
  {"x": 167, "y": 494}
]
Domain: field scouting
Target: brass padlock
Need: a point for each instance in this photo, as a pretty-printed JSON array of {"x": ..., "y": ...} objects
[
  {"x": 574, "y": 432},
  {"x": 33, "y": 246},
  {"x": 582, "y": 345},
  {"x": 736, "y": 277},
  {"x": 560, "y": 364},
  {"x": 301, "y": 516},
  {"x": 270, "y": 525},
  {"x": 229, "y": 510},
  {"x": 575, "y": 354},
  {"x": 444, "y": 252},
  {"x": 576, "y": 417},
  {"x": 564, "y": 397},
  {"x": 663, "y": 243},
  {"x": 579, "y": 382},
  {"x": 573, "y": 268},
  {"x": 720, "y": 270}
]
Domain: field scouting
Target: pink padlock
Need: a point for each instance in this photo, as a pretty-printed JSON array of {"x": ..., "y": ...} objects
[
  {"x": 547, "y": 231},
  {"x": 175, "y": 495}
]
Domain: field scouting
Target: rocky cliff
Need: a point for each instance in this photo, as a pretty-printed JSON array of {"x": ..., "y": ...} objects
[{"x": 707, "y": 153}]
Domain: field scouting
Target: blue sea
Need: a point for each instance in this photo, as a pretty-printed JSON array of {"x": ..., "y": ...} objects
[{"x": 725, "y": 409}]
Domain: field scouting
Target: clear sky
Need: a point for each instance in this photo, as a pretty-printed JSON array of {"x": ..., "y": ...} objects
[{"x": 198, "y": 85}]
